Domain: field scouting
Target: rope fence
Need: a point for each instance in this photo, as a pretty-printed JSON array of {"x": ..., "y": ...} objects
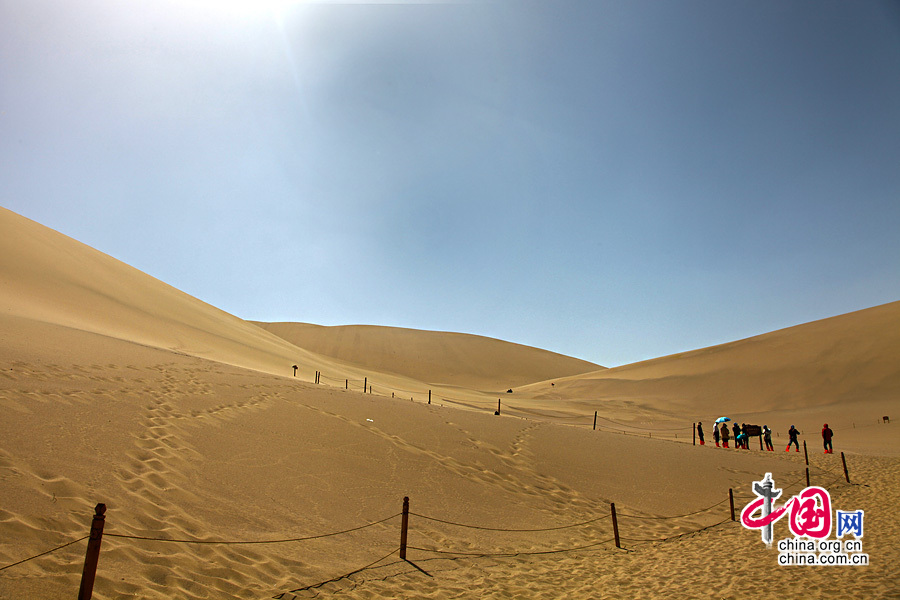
[
  {"x": 250, "y": 542},
  {"x": 52, "y": 550},
  {"x": 367, "y": 386},
  {"x": 584, "y": 527}
]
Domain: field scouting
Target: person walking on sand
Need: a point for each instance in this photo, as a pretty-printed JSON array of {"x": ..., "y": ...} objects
[
  {"x": 827, "y": 434},
  {"x": 716, "y": 434},
  {"x": 724, "y": 435},
  {"x": 767, "y": 438},
  {"x": 737, "y": 431},
  {"x": 792, "y": 439},
  {"x": 700, "y": 432}
]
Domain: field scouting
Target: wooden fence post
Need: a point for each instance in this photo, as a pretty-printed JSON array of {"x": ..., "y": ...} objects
[
  {"x": 807, "y": 476},
  {"x": 731, "y": 502},
  {"x": 404, "y": 527},
  {"x": 365, "y": 384},
  {"x": 612, "y": 508},
  {"x": 695, "y": 434},
  {"x": 595, "y": 420},
  {"x": 92, "y": 556},
  {"x": 846, "y": 473},
  {"x": 806, "y": 456},
  {"x": 429, "y": 396},
  {"x": 295, "y": 367}
]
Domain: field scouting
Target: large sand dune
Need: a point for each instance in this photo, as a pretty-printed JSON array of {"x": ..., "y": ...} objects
[
  {"x": 845, "y": 366},
  {"x": 188, "y": 424},
  {"x": 441, "y": 358}
]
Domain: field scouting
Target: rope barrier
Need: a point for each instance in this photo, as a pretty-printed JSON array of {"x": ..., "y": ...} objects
[
  {"x": 340, "y": 577},
  {"x": 226, "y": 542},
  {"x": 690, "y": 514},
  {"x": 642, "y": 428},
  {"x": 384, "y": 390},
  {"x": 81, "y": 539},
  {"x": 509, "y": 554},
  {"x": 672, "y": 537},
  {"x": 510, "y": 530}
]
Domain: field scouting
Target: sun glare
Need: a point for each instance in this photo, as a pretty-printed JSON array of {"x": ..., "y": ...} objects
[{"x": 244, "y": 7}]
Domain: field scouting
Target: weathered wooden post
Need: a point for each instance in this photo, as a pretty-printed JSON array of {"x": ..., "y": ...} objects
[
  {"x": 404, "y": 527},
  {"x": 346, "y": 384},
  {"x": 612, "y": 508},
  {"x": 365, "y": 384},
  {"x": 846, "y": 473},
  {"x": 695, "y": 434},
  {"x": 429, "y": 396},
  {"x": 806, "y": 456},
  {"x": 731, "y": 502},
  {"x": 595, "y": 420},
  {"x": 92, "y": 556},
  {"x": 295, "y": 367},
  {"x": 497, "y": 412}
]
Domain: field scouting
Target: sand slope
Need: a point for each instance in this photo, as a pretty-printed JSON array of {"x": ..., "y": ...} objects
[
  {"x": 849, "y": 362},
  {"x": 451, "y": 359},
  {"x": 50, "y": 277}
]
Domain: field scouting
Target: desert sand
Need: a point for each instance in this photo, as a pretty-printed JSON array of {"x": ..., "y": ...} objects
[{"x": 227, "y": 475}]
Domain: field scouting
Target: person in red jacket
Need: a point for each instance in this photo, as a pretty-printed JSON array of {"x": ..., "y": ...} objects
[{"x": 827, "y": 434}]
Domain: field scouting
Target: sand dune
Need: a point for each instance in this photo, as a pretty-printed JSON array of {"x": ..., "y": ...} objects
[
  {"x": 834, "y": 366},
  {"x": 53, "y": 278},
  {"x": 441, "y": 358},
  {"x": 186, "y": 422}
]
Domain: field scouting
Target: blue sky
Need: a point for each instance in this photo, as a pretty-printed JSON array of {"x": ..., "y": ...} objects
[{"x": 615, "y": 181}]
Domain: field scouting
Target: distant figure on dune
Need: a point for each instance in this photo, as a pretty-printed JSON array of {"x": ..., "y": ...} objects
[
  {"x": 700, "y": 433},
  {"x": 716, "y": 434},
  {"x": 792, "y": 439},
  {"x": 767, "y": 438},
  {"x": 724, "y": 435},
  {"x": 827, "y": 434},
  {"x": 737, "y": 431}
]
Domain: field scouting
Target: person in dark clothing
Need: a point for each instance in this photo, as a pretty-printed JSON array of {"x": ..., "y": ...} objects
[
  {"x": 724, "y": 435},
  {"x": 716, "y": 434},
  {"x": 792, "y": 439},
  {"x": 827, "y": 434},
  {"x": 767, "y": 438},
  {"x": 737, "y": 431},
  {"x": 700, "y": 433}
]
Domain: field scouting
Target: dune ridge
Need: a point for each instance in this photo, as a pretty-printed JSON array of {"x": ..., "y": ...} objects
[
  {"x": 442, "y": 358},
  {"x": 837, "y": 363}
]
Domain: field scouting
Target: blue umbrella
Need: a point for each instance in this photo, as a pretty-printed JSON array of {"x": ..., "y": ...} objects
[{"x": 722, "y": 420}]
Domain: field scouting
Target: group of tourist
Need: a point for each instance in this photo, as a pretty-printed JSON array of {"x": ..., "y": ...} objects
[{"x": 741, "y": 436}]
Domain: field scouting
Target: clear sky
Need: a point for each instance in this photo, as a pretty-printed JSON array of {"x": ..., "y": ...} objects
[{"x": 613, "y": 180}]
